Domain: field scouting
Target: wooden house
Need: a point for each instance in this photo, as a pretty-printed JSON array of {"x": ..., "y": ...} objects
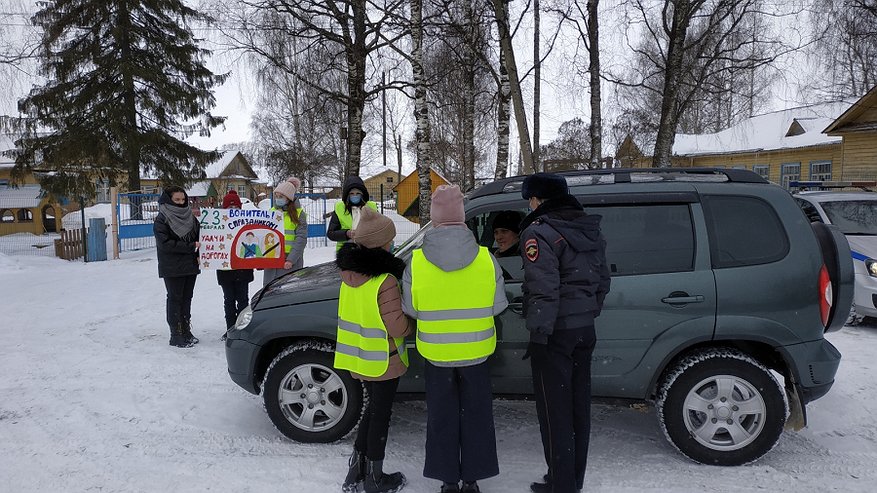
[
  {"x": 388, "y": 179},
  {"x": 781, "y": 146},
  {"x": 408, "y": 194},
  {"x": 857, "y": 127}
]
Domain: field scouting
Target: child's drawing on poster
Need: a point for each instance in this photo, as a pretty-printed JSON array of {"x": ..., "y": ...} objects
[{"x": 241, "y": 239}]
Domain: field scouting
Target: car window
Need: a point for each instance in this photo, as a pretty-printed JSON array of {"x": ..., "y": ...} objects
[
  {"x": 743, "y": 231},
  {"x": 809, "y": 210},
  {"x": 853, "y": 217},
  {"x": 482, "y": 227},
  {"x": 647, "y": 238}
]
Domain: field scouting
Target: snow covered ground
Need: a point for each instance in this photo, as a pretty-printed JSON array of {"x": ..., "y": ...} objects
[{"x": 92, "y": 398}]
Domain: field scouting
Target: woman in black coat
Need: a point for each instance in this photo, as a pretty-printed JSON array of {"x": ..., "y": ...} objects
[{"x": 176, "y": 240}]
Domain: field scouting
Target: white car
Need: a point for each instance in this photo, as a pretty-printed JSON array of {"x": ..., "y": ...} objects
[{"x": 855, "y": 214}]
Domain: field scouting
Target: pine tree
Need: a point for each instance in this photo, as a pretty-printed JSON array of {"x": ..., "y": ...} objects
[{"x": 126, "y": 81}]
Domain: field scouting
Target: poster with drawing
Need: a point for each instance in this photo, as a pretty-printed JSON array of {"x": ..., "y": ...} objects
[{"x": 241, "y": 239}]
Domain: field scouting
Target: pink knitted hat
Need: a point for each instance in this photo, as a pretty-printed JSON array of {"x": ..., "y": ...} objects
[
  {"x": 288, "y": 188},
  {"x": 447, "y": 206}
]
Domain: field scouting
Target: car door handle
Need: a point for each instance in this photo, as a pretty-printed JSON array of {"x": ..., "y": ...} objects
[{"x": 674, "y": 299}]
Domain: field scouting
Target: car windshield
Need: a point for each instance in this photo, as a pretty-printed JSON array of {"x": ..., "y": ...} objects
[
  {"x": 854, "y": 217},
  {"x": 403, "y": 251}
]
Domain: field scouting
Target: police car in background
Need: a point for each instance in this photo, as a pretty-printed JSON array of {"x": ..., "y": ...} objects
[{"x": 855, "y": 214}]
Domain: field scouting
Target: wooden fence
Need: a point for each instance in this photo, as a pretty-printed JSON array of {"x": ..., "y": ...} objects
[{"x": 71, "y": 245}]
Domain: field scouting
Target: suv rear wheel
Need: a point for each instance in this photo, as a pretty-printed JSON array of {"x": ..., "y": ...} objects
[
  {"x": 721, "y": 407},
  {"x": 307, "y": 399}
]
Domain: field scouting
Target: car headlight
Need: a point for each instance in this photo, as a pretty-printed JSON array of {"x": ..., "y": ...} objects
[
  {"x": 871, "y": 267},
  {"x": 243, "y": 318}
]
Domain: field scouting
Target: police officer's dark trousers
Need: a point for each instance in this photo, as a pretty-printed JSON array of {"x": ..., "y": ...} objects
[
  {"x": 460, "y": 435},
  {"x": 562, "y": 384},
  {"x": 371, "y": 439}
]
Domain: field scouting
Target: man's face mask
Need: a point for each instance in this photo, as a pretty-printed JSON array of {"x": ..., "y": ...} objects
[{"x": 355, "y": 199}]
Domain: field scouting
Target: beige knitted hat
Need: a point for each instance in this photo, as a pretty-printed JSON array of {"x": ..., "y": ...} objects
[{"x": 374, "y": 229}]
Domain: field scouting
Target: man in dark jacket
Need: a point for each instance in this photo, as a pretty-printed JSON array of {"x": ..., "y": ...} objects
[{"x": 566, "y": 279}]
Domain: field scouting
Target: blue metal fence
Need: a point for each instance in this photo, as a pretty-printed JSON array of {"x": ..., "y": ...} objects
[{"x": 135, "y": 213}]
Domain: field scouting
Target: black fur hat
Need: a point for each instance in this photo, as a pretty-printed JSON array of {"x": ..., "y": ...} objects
[{"x": 544, "y": 186}]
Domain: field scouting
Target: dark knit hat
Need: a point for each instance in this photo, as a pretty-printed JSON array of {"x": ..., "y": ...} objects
[
  {"x": 510, "y": 220},
  {"x": 231, "y": 199},
  {"x": 544, "y": 186},
  {"x": 374, "y": 230}
]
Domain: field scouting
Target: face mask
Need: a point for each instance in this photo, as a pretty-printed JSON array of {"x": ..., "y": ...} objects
[
  {"x": 355, "y": 199},
  {"x": 280, "y": 201}
]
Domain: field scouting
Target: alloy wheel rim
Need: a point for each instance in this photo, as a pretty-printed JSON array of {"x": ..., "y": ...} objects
[
  {"x": 724, "y": 412},
  {"x": 312, "y": 397}
]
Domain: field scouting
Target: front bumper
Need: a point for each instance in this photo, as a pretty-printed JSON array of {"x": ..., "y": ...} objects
[
  {"x": 240, "y": 356},
  {"x": 865, "y": 295},
  {"x": 814, "y": 365}
]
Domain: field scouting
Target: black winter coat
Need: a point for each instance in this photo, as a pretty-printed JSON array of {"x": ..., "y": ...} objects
[
  {"x": 566, "y": 277},
  {"x": 176, "y": 257}
]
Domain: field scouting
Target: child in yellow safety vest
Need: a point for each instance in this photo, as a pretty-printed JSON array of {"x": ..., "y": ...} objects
[
  {"x": 454, "y": 288},
  {"x": 370, "y": 343},
  {"x": 295, "y": 228}
]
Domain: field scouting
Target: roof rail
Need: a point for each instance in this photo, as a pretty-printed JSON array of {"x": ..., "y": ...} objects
[
  {"x": 623, "y": 175},
  {"x": 867, "y": 186}
]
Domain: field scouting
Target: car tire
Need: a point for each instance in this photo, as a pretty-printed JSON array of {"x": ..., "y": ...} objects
[
  {"x": 307, "y": 399},
  {"x": 722, "y": 407}
]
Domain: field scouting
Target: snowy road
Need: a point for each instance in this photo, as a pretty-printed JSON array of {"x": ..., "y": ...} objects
[{"x": 93, "y": 399}]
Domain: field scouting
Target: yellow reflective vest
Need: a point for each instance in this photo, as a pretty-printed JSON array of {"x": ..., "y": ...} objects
[
  {"x": 288, "y": 229},
  {"x": 362, "y": 341},
  {"x": 454, "y": 309},
  {"x": 346, "y": 218}
]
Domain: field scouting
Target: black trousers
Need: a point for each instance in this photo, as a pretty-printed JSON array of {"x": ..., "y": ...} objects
[
  {"x": 371, "y": 439},
  {"x": 460, "y": 435},
  {"x": 235, "y": 296},
  {"x": 179, "y": 298},
  {"x": 562, "y": 384}
]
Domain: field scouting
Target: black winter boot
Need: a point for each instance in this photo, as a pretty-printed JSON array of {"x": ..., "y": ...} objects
[
  {"x": 470, "y": 487},
  {"x": 450, "y": 488},
  {"x": 356, "y": 472},
  {"x": 178, "y": 337},
  {"x": 187, "y": 331},
  {"x": 378, "y": 482}
]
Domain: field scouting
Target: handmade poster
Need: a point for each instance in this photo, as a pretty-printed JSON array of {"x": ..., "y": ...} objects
[{"x": 241, "y": 239}]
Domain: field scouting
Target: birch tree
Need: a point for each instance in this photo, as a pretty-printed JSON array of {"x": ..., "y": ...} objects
[
  {"x": 847, "y": 47},
  {"x": 353, "y": 32},
  {"x": 687, "y": 43}
]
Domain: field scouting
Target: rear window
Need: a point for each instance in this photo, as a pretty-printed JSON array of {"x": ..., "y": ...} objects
[
  {"x": 647, "y": 238},
  {"x": 743, "y": 231},
  {"x": 853, "y": 217}
]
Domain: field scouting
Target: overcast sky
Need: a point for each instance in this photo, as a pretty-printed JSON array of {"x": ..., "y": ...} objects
[{"x": 563, "y": 91}]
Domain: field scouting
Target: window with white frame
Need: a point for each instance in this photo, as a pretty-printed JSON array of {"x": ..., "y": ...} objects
[
  {"x": 762, "y": 170},
  {"x": 820, "y": 170},
  {"x": 242, "y": 190},
  {"x": 102, "y": 191},
  {"x": 790, "y": 172}
]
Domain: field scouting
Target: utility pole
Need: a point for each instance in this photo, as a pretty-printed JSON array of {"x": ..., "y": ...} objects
[{"x": 384, "y": 113}]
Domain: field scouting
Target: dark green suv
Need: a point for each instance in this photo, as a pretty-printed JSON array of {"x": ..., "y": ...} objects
[{"x": 722, "y": 291}]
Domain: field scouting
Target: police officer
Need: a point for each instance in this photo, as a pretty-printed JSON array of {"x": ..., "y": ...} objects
[
  {"x": 565, "y": 282},
  {"x": 453, "y": 288}
]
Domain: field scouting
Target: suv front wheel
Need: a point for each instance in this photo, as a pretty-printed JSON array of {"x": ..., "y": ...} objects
[
  {"x": 722, "y": 407},
  {"x": 307, "y": 399}
]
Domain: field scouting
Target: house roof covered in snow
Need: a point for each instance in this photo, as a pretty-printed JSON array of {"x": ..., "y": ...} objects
[
  {"x": 860, "y": 117},
  {"x": 198, "y": 189},
  {"x": 24, "y": 197},
  {"x": 785, "y": 129},
  {"x": 7, "y": 144}
]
